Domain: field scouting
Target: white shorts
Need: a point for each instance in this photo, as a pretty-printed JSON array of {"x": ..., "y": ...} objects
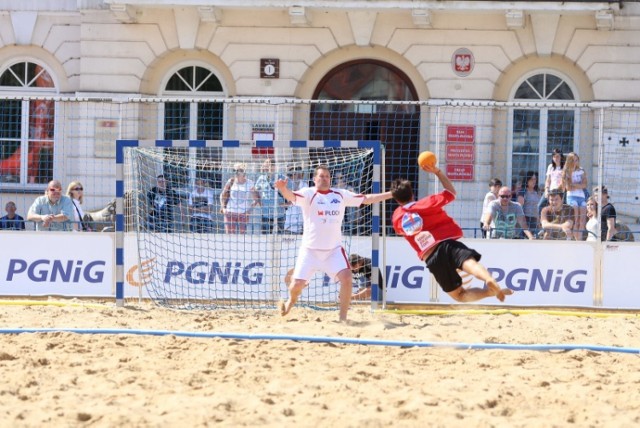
[{"x": 311, "y": 261}]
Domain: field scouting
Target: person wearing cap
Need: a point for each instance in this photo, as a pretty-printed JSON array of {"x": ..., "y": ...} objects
[
  {"x": 361, "y": 270},
  {"x": 607, "y": 215}
]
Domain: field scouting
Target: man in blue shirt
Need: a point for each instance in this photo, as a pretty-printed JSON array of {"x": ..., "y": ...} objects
[{"x": 53, "y": 211}]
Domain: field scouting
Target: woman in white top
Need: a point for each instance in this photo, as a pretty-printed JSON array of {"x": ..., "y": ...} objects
[
  {"x": 593, "y": 224},
  {"x": 75, "y": 191},
  {"x": 553, "y": 178},
  {"x": 494, "y": 185},
  {"x": 574, "y": 180},
  {"x": 238, "y": 198}
]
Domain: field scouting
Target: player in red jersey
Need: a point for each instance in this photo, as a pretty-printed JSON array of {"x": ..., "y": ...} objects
[{"x": 434, "y": 235}]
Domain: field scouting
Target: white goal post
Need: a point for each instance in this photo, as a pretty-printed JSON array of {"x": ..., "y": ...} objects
[{"x": 169, "y": 194}]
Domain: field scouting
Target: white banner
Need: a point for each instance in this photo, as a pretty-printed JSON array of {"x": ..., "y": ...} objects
[
  {"x": 618, "y": 275},
  {"x": 56, "y": 263}
]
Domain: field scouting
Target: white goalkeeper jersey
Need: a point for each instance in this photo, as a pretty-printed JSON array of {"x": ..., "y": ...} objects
[{"x": 323, "y": 213}]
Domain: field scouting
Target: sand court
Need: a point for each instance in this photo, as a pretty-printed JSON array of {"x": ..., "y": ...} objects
[{"x": 145, "y": 380}]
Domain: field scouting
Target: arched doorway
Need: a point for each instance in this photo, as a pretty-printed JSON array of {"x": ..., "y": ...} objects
[{"x": 397, "y": 126}]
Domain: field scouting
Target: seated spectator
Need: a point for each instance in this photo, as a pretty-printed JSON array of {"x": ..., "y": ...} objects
[
  {"x": 11, "y": 221},
  {"x": 53, "y": 211},
  {"x": 361, "y": 270},
  {"x": 556, "y": 219},
  {"x": 200, "y": 206},
  {"x": 505, "y": 216},
  {"x": 607, "y": 215},
  {"x": 161, "y": 201}
]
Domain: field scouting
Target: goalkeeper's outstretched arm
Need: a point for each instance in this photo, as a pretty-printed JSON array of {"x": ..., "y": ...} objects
[
  {"x": 286, "y": 193},
  {"x": 377, "y": 197}
]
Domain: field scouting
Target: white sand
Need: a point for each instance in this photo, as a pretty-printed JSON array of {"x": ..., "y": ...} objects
[{"x": 69, "y": 379}]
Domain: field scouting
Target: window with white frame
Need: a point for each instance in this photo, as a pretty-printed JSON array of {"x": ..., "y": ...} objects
[
  {"x": 537, "y": 131},
  {"x": 27, "y": 126},
  {"x": 193, "y": 120}
]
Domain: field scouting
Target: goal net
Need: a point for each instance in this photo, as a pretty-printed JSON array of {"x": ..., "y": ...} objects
[{"x": 211, "y": 231}]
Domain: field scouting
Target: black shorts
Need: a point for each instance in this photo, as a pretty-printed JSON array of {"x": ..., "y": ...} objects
[{"x": 447, "y": 258}]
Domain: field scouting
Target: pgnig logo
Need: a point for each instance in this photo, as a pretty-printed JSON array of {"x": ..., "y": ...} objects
[
  {"x": 411, "y": 224},
  {"x": 139, "y": 277}
]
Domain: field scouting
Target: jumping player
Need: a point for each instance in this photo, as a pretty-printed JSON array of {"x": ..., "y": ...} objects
[
  {"x": 321, "y": 249},
  {"x": 434, "y": 235}
]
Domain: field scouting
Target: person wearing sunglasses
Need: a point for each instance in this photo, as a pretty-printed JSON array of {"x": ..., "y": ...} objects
[
  {"x": 505, "y": 218},
  {"x": 53, "y": 211},
  {"x": 238, "y": 198},
  {"x": 75, "y": 191}
]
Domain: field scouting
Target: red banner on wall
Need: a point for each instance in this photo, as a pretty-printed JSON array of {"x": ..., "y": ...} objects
[
  {"x": 460, "y": 172},
  {"x": 461, "y": 134}
]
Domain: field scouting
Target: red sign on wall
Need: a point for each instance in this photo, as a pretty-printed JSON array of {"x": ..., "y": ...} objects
[
  {"x": 460, "y": 172},
  {"x": 464, "y": 153},
  {"x": 461, "y": 134}
]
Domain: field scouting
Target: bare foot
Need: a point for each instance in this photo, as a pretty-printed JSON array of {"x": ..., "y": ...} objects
[
  {"x": 500, "y": 293},
  {"x": 284, "y": 307}
]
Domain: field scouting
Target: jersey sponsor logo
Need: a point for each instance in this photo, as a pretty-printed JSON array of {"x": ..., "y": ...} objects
[
  {"x": 328, "y": 212},
  {"x": 334, "y": 201},
  {"x": 411, "y": 224},
  {"x": 44, "y": 270}
]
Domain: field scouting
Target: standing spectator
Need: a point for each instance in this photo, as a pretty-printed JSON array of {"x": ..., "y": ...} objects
[
  {"x": 53, "y": 211},
  {"x": 529, "y": 198},
  {"x": 273, "y": 206},
  {"x": 574, "y": 180},
  {"x": 504, "y": 216},
  {"x": 494, "y": 185},
  {"x": 162, "y": 200},
  {"x": 593, "y": 223},
  {"x": 607, "y": 215},
  {"x": 553, "y": 177},
  {"x": 293, "y": 221},
  {"x": 238, "y": 198},
  {"x": 75, "y": 191},
  {"x": 200, "y": 205},
  {"x": 556, "y": 219},
  {"x": 11, "y": 221}
]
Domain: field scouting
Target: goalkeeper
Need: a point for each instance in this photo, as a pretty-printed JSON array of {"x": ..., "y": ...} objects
[
  {"x": 434, "y": 235},
  {"x": 321, "y": 249}
]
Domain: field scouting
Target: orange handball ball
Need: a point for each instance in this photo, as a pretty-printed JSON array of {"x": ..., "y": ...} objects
[{"x": 427, "y": 159}]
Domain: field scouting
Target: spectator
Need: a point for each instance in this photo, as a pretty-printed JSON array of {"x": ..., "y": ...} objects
[
  {"x": 273, "y": 206},
  {"x": 504, "y": 216},
  {"x": 556, "y": 219},
  {"x": 75, "y": 191},
  {"x": 11, "y": 221},
  {"x": 293, "y": 221},
  {"x": 494, "y": 185},
  {"x": 574, "y": 180},
  {"x": 529, "y": 198},
  {"x": 593, "y": 223},
  {"x": 607, "y": 215},
  {"x": 361, "y": 270},
  {"x": 238, "y": 198},
  {"x": 553, "y": 177},
  {"x": 53, "y": 211},
  {"x": 200, "y": 205},
  {"x": 162, "y": 200}
]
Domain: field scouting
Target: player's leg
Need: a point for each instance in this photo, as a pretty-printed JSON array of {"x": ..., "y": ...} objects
[
  {"x": 473, "y": 267},
  {"x": 346, "y": 288},
  {"x": 298, "y": 279}
]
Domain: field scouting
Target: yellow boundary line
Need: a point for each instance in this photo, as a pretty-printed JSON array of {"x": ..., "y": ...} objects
[
  {"x": 593, "y": 314},
  {"x": 51, "y": 303}
]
